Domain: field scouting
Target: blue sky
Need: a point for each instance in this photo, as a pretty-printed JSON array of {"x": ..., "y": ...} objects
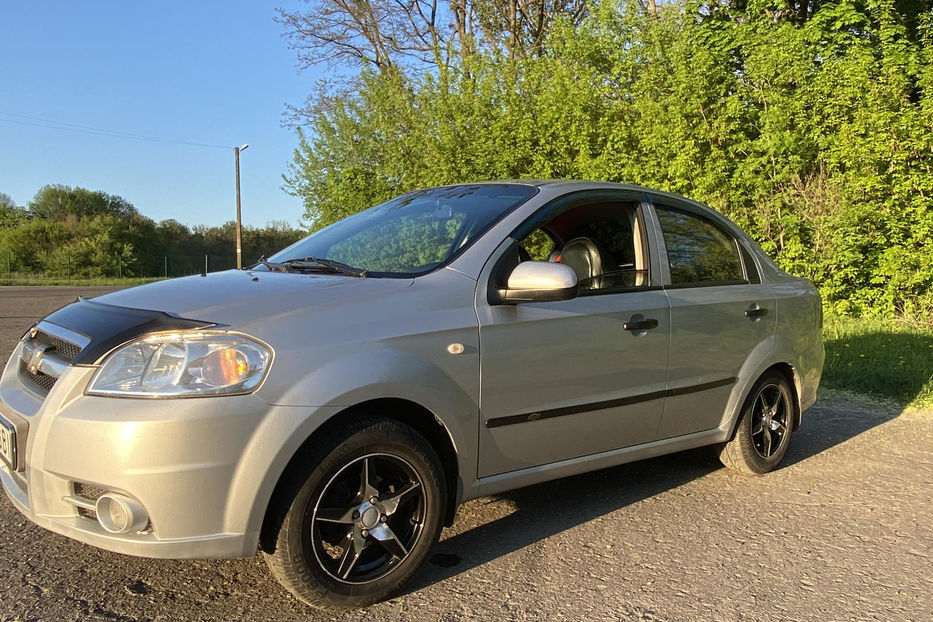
[{"x": 204, "y": 71}]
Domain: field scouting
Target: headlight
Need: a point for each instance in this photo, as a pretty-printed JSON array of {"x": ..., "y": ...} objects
[{"x": 183, "y": 365}]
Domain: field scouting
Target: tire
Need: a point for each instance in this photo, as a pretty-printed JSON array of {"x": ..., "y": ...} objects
[
  {"x": 357, "y": 516},
  {"x": 763, "y": 432}
]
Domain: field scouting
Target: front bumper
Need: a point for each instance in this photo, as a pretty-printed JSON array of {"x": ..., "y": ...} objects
[
  {"x": 142, "y": 544},
  {"x": 202, "y": 468}
]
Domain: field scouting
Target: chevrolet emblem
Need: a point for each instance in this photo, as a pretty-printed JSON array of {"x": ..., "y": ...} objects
[{"x": 33, "y": 357}]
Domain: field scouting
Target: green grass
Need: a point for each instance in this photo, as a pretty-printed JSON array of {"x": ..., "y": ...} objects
[
  {"x": 103, "y": 281},
  {"x": 881, "y": 358}
]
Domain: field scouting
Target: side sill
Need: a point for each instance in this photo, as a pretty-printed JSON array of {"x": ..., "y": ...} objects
[{"x": 495, "y": 484}]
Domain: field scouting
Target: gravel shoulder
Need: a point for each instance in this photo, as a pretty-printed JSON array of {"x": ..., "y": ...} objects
[{"x": 841, "y": 532}]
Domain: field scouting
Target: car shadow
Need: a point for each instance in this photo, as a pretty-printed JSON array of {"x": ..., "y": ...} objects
[
  {"x": 834, "y": 420},
  {"x": 545, "y": 510}
]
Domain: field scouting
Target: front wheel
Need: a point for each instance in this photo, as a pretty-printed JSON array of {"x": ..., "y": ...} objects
[
  {"x": 762, "y": 435},
  {"x": 359, "y": 517}
]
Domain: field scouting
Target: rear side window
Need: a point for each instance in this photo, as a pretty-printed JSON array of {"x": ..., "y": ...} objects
[{"x": 698, "y": 251}]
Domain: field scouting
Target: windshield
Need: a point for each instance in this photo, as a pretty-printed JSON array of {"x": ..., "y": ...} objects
[{"x": 411, "y": 234}]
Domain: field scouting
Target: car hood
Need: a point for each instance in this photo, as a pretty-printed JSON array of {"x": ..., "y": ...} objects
[{"x": 239, "y": 297}]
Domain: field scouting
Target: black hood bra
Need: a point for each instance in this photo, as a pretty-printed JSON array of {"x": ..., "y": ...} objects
[{"x": 108, "y": 326}]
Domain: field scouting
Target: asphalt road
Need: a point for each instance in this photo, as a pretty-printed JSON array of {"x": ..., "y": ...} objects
[{"x": 842, "y": 532}]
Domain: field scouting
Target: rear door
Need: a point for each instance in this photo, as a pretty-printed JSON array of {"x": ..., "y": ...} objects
[{"x": 720, "y": 314}]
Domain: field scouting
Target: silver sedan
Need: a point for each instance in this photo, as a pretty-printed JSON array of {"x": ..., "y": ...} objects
[{"x": 332, "y": 405}]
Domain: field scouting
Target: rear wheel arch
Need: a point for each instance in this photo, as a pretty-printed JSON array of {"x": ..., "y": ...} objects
[
  {"x": 415, "y": 416},
  {"x": 793, "y": 379},
  {"x": 762, "y": 432}
]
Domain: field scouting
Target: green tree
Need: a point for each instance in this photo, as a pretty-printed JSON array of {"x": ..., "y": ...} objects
[
  {"x": 59, "y": 202},
  {"x": 85, "y": 234},
  {"x": 10, "y": 214}
]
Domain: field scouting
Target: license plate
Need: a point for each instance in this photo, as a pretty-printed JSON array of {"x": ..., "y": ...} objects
[{"x": 8, "y": 443}]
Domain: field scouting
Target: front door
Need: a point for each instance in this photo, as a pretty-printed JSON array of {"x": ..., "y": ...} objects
[
  {"x": 561, "y": 380},
  {"x": 565, "y": 379}
]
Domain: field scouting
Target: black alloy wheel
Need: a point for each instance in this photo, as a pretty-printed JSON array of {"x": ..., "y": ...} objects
[
  {"x": 762, "y": 434},
  {"x": 367, "y": 519},
  {"x": 356, "y": 514},
  {"x": 770, "y": 420}
]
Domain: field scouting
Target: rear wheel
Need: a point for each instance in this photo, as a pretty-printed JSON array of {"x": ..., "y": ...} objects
[
  {"x": 762, "y": 435},
  {"x": 359, "y": 517}
]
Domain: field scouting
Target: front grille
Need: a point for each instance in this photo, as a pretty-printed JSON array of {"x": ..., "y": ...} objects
[
  {"x": 36, "y": 382},
  {"x": 65, "y": 350}
]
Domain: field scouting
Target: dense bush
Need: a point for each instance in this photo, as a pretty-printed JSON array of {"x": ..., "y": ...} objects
[{"x": 814, "y": 132}]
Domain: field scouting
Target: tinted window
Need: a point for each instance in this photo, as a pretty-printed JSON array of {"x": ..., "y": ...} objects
[
  {"x": 698, "y": 251},
  {"x": 413, "y": 233}
]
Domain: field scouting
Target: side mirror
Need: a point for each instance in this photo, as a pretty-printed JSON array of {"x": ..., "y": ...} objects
[{"x": 539, "y": 281}]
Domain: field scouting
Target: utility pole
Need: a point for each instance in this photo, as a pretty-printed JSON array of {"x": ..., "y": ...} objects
[{"x": 239, "y": 220}]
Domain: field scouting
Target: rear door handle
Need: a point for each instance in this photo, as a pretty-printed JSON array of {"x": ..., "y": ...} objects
[
  {"x": 644, "y": 324},
  {"x": 755, "y": 312}
]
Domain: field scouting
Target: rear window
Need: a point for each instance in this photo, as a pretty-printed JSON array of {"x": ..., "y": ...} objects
[{"x": 697, "y": 250}]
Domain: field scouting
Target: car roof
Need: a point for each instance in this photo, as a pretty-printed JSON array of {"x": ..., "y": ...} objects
[
  {"x": 578, "y": 184},
  {"x": 568, "y": 185},
  {"x": 559, "y": 186}
]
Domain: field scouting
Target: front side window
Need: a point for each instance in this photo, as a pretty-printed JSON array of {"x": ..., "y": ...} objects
[
  {"x": 414, "y": 233},
  {"x": 538, "y": 245},
  {"x": 698, "y": 251},
  {"x": 600, "y": 240}
]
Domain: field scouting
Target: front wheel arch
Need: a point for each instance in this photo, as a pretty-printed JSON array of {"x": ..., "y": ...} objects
[
  {"x": 415, "y": 416},
  {"x": 358, "y": 516}
]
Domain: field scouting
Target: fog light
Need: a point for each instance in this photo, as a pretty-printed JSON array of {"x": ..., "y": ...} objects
[{"x": 119, "y": 514}]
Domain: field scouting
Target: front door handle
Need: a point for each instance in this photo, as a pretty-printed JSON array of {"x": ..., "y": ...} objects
[
  {"x": 640, "y": 324},
  {"x": 755, "y": 312}
]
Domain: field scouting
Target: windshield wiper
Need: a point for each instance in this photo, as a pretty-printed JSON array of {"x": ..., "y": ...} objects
[
  {"x": 332, "y": 264},
  {"x": 273, "y": 267}
]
